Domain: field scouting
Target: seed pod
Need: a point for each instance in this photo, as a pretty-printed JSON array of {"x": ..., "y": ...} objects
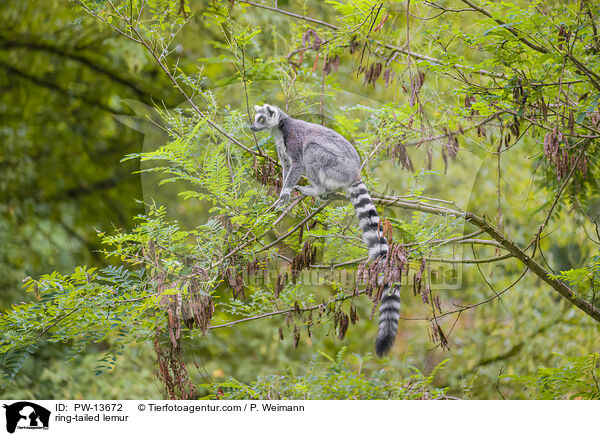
[
  {"x": 296, "y": 336},
  {"x": 353, "y": 314},
  {"x": 342, "y": 325}
]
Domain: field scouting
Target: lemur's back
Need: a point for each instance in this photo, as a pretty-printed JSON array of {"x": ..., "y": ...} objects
[{"x": 325, "y": 146}]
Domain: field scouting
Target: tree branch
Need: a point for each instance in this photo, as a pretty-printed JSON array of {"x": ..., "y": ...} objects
[
  {"x": 507, "y": 243},
  {"x": 508, "y": 27},
  {"x": 485, "y": 260},
  {"x": 291, "y": 14},
  {"x": 291, "y": 310},
  {"x": 138, "y": 38},
  {"x": 383, "y": 44},
  {"x": 594, "y": 78}
]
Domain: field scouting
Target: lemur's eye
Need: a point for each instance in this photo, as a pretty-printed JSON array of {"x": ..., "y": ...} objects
[{"x": 261, "y": 119}]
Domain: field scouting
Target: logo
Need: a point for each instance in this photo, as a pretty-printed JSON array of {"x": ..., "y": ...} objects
[{"x": 26, "y": 415}]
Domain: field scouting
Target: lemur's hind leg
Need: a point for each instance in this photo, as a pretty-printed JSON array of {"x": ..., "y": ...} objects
[
  {"x": 320, "y": 192},
  {"x": 312, "y": 191}
]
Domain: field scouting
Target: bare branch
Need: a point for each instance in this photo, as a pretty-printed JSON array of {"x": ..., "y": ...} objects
[
  {"x": 383, "y": 44},
  {"x": 291, "y": 14},
  {"x": 507, "y": 243},
  {"x": 508, "y": 27},
  {"x": 485, "y": 260}
]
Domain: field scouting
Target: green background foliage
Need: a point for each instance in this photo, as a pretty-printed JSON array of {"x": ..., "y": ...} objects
[{"x": 139, "y": 255}]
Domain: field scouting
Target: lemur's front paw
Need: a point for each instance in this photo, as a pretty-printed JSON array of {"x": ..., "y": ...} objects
[{"x": 284, "y": 198}]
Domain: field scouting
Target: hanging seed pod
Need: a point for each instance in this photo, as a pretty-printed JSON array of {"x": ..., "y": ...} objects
[
  {"x": 315, "y": 63},
  {"x": 353, "y": 45},
  {"x": 368, "y": 74},
  {"x": 571, "y": 124},
  {"x": 280, "y": 283},
  {"x": 543, "y": 108},
  {"x": 438, "y": 302},
  {"x": 353, "y": 314},
  {"x": 429, "y": 159},
  {"x": 469, "y": 100},
  {"x": 595, "y": 118},
  {"x": 303, "y": 260},
  {"x": 236, "y": 283},
  {"x": 171, "y": 319},
  {"x": 376, "y": 72},
  {"x": 417, "y": 280},
  {"x": 401, "y": 154},
  {"x": 481, "y": 131},
  {"x": 326, "y": 66},
  {"x": 514, "y": 127},
  {"x": 342, "y": 324},
  {"x": 582, "y": 166},
  {"x": 434, "y": 333},
  {"x": 306, "y": 39},
  {"x": 388, "y": 75},
  {"x": 296, "y": 336},
  {"x": 336, "y": 62},
  {"x": 442, "y": 337},
  {"x": 452, "y": 146},
  {"x": 445, "y": 159},
  {"x": 425, "y": 295},
  {"x": 387, "y": 230},
  {"x": 563, "y": 36}
]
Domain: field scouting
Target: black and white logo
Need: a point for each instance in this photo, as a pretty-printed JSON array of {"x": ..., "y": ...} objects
[{"x": 26, "y": 415}]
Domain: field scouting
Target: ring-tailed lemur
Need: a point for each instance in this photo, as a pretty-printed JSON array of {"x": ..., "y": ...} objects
[{"x": 331, "y": 163}]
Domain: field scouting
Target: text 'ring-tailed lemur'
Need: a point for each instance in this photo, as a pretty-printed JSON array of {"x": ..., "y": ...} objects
[{"x": 331, "y": 163}]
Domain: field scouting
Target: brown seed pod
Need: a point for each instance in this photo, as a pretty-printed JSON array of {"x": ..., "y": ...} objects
[
  {"x": 303, "y": 260},
  {"x": 425, "y": 295},
  {"x": 354, "y": 44},
  {"x": 296, "y": 336},
  {"x": 342, "y": 324},
  {"x": 399, "y": 152},
  {"x": 353, "y": 314},
  {"x": 280, "y": 283},
  {"x": 418, "y": 278}
]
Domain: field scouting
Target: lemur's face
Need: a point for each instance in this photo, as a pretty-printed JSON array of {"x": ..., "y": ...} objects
[{"x": 266, "y": 117}]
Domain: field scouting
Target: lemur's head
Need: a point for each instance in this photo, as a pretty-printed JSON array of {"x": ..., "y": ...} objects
[{"x": 266, "y": 117}]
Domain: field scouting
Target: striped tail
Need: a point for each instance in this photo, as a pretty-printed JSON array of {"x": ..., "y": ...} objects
[{"x": 389, "y": 307}]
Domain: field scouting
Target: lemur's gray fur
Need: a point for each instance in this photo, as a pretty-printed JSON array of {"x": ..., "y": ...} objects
[{"x": 331, "y": 163}]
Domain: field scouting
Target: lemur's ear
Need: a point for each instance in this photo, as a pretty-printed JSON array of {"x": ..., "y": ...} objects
[
  {"x": 270, "y": 109},
  {"x": 257, "y": 108}
]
